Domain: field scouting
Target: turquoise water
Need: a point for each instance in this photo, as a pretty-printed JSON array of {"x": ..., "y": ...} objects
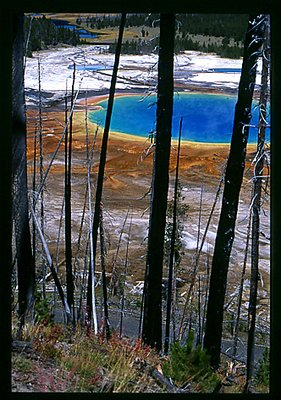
[
  {"x": 227, "y": 70},
  {"x": 89, "y": 67},
  {"x": 207, "y": 118}
]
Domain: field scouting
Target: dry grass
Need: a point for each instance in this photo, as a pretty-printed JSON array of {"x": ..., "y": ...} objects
[
  {"x": 64, "y": 360},
  {"x": 107, "y": 366},
  {"x": 81, "y": 362}
]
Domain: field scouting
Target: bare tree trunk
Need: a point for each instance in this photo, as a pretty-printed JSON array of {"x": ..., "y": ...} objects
[
  {"x": 196, "y": 263},
  {"x": 152, "y": 313},
  {"x": 58, "y": 249},
  {"x": 172, "y": 250},
  {"x": 104, "y": 288},
  {"x": 198, "y": 340},
  {"x": 115, "y": 275},
  {"x": 233, "y": 181},
  {"x": 6, "y": 201},
  {"x": 258, "y": 172},
  {"x": 68, "y": 240},
  {"x": 87, "y": 200},
  {"x": 33, "y": 194},
  {"x": 125, "y": 277},
  {"x": 92, "y": 260},
  {"x": 240, "y": 292},
  {"x": 41, "y": 172},
  {"x": 207, "y": 263},
  {"x": 50, "y": 262},
  {"x": 67, "y": 122},
  {"x": 79, "y": 311},
  {"x": 25, "y": 259},
  {"x": 99, "y": 187}
]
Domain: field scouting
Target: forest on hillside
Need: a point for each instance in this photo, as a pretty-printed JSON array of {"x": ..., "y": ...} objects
[
  {"x": 71, "y": 279},
  {"x": 231, "y": 29},
  {"x": 41, "y": 32},
  {"x": 222, "y": 34},
  {"x": 225, "y": 25}
]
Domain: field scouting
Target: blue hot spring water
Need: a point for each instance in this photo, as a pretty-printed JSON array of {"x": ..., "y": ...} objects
[{"x": 207, "y": 118}]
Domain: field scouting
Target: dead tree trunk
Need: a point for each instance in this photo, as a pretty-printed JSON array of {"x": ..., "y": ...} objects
[
  {"x": 33, "y": 189},
  {"x": 196, "y": 263},
  {"x": 123, "y": 284},
  {"x": 6, "y": 201},
  {"x": 115, "y": 273},
  {"x": 99, "y": 186},
  {"x": 233, "y": 181},
  {"x": 89, "y": 186},
  {"x": 240, "y": 292},
  {"x": 25, "y": 259},
  {"x": 41, "y": 170},
  {"x": 104, "y": 286},
  {"x": 172, "y": 251},
  {"x": 50, "y": 262},
  {"x": 152, "y": 313},
  {"x": 258, "y": 172},
  {"x": 68, "y": 241}
]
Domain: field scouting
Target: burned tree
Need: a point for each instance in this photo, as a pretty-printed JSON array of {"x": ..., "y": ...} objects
[
  {"x": 5, "y": 204},
  {"x": 99, "y": 185},
  {"x": 257, "y": 198},
  {"x": 152, "y": 313},
  {"x": 68, "y": 230},
  {"x": 24, "y": 256},
  {"x": 171, "y": 276},
  {"x": 233, "y": 180}
]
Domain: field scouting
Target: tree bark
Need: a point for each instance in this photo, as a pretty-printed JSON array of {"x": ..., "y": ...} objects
[
  {"x": 152, "y": 314},
  {"x": 240, "y": 292},
  {"x": 41, "y": 168},
  {"x": 25, "y": 259},
  {"x": 68, "y": 230},
  {"x": 104, "y": 286},
  {"x": 172, "y": 251},
  {"x": 258, "y": 172},
  {"x": 50, "y": 262},
  {"x": 6, "y": 200},
  {"x": 96, "y": 219},
  {"x": 89, "y": 186},
  {"x": 123, "y": 285},
  {"x": 233, "y": 181},
  {"x": 196, "y": 263}
]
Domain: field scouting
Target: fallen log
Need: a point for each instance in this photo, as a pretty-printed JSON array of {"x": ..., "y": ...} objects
[
  {"x": 20, "y": 346},
  {"x": 51, "y": 266},
  {"x": 160, "y": 378}
]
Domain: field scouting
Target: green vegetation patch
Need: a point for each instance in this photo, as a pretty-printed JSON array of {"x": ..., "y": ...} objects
[
  {"x": 21, "y": 363},
  {"x": 189, "y": 364},
  {"x": 262, "y": 374}
]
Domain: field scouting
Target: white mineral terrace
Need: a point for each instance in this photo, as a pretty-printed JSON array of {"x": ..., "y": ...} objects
[{"x": 135, "y": 71}]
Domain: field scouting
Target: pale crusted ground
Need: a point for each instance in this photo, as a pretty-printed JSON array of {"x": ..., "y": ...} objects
[{"x": 135, "y": 71}]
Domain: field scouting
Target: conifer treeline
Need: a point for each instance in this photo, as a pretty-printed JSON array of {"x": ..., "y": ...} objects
[
  {"x": 225, "y": 25},
  {"x": 42, "y": 32},
  {"x": 218, "y": 25},
  {"x": 142, "y": 46},
  {"x": 222, "y": 49}
]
